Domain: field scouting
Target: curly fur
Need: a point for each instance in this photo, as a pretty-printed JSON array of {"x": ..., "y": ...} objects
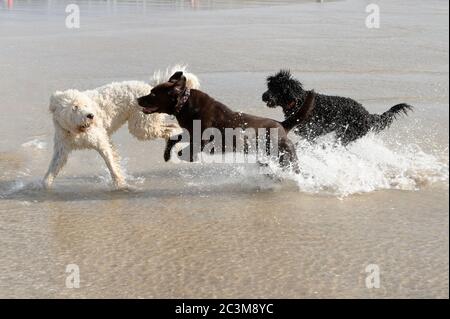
[
  {"x": 87, "y": 119},
  {"x": 342, "y": 115}
]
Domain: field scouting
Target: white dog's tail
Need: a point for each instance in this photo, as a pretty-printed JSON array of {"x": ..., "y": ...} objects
[{"x": 163, "y": 76}]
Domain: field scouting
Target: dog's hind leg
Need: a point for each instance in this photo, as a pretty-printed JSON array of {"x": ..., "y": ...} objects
[{"x": 60, "y": 155}]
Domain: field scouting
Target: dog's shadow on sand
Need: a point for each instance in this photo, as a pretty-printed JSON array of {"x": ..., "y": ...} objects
[{"x": 159, "y": 185}]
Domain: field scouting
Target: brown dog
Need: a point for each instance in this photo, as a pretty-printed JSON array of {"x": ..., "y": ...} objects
[{"x": 186, "y": 105}]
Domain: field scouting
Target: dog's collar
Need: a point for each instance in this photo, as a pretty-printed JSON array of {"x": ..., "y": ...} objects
[
  {"x": 291, "y": 105},
  {"x": 182, "y": 99}
]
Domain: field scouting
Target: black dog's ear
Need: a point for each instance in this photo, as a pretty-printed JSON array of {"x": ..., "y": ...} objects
[
  {"x": 284, "y": 74},
  {"x": 176, "y": 77}
]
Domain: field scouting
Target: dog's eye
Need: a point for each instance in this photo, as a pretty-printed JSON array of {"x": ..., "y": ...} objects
[
  {"x": 76, "y": 107},
  {"x": 152, "y": 94}
]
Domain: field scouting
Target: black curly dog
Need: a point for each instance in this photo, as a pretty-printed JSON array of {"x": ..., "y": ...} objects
[{"x": 344, "y": 116}]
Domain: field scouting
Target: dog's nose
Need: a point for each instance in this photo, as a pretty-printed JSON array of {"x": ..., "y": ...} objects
[
  {"x": 90, "y": 116},
  {"x": 265, "y": 97}
]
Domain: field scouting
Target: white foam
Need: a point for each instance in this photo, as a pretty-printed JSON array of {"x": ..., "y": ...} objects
[
  {"x": 19, "y": 186},
  {"x": 105, "y": 179},
  {"x": 366, "y": 165},
  {"x": 36, "y": 144}
]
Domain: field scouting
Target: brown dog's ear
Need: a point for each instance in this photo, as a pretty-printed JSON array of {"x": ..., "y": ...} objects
[
  {"x": 179, "y": 84},
  {"x": 176, "y": 77}
]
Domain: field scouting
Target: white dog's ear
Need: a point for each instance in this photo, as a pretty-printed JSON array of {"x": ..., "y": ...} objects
[{"x": 55, "y": 100}]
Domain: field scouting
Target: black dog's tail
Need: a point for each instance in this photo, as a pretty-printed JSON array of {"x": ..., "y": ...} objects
[
  {"x": 380, "y": 122},
  {"x": 303, "y": 113}
]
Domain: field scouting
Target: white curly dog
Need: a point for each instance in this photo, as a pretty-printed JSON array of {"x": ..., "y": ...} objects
[{"x": 87, "y": 119}]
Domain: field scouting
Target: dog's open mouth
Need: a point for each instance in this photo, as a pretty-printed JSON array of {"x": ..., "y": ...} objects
[
  {"x": 83, "y": 128},
  {"x": 149, "y": 110}
]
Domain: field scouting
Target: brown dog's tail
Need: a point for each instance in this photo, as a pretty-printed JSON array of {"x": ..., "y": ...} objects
[{"x": 303, "y": 113}]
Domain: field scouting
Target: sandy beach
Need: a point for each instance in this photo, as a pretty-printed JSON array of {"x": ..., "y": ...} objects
[{"x": 193, "y": 230}]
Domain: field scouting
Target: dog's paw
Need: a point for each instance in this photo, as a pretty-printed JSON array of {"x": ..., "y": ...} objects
[
  {"x": 121, "y": 186},
  {"x": 170, "y": 129},
  {"x": 46, "y": 185},
  {"x": 126, "y": 188}
]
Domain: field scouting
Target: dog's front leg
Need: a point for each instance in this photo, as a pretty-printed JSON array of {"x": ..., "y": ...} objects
[
  {"x": 190, "y": 153},
  {"x": 60, "y": 155},
  {"x": 106, "y": 151},
  {"x": 171, "y": 142}
]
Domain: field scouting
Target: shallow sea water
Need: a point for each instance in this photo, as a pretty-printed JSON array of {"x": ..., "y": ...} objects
[{"x": 212, "y": 230}]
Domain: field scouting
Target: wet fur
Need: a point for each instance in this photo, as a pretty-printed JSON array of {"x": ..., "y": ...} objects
[
  {"x": 213, "y": 114},
  {"x": 87, "y": 119},
  {"x": 344, "y": 116}
]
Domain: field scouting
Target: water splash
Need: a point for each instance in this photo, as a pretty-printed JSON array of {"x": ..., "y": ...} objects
[
  {"x": 36, "y": 144},
  {"x": 367, "y": 165},
  {"x": 105, "y": 179},
  {"x": 20, "y": 186}
]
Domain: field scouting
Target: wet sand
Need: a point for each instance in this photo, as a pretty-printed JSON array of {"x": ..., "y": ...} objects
[{"x": 204, "y": 230}]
